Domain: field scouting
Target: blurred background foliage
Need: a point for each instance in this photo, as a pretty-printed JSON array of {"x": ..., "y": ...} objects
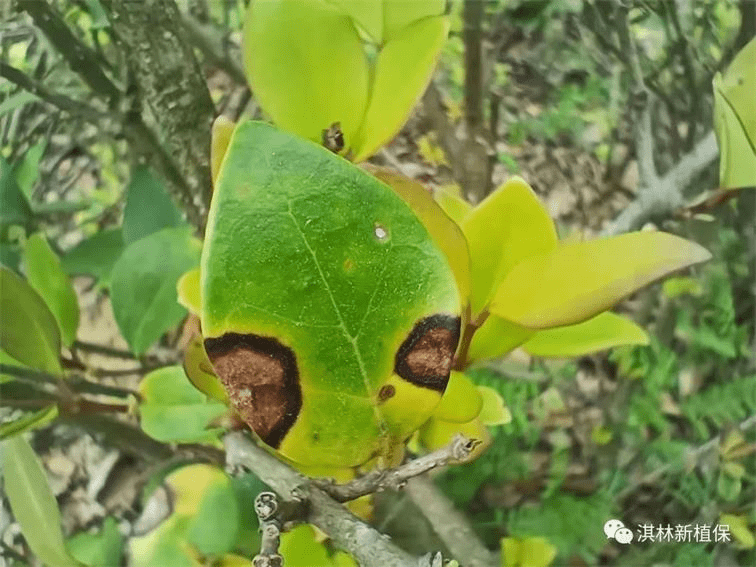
[{"x": 91, "y": 164}]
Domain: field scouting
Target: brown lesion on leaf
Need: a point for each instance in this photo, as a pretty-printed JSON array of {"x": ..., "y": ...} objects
[
  {"x": 386, "y": 393},
  {"x": 261, "y": 378},
  {"x": 425, "y": 357}
]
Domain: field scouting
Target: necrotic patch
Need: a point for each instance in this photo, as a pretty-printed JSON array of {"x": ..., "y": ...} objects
[
  {"x": 425, "y": 357},
  {"x": 261, "y": 378}
]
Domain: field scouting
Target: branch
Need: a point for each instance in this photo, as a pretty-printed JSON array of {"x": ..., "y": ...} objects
[
  {"x": 212, "y": 47},
  {"x": 378, "y": 480},
  {"x": 171, "y": 86},
  {"x": 67, "y": 104},
  {"x": 666, "y": 194},
  {"x": 368, "y": 546},
  {"x": 450, "y": 525}
]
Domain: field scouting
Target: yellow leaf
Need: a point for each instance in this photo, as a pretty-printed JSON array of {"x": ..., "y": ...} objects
[
  {"x": 461, "y": 401},
  {"x": 452, "y": 203},
  {"x": 739, "y": 530},
  {"x": 509, "y": 225},
  {"x": 200, "y": 372},
  {"x": 437, "y": 433},
  {"x": 189, "y": 484},
  {"x": 402, "y": 71},
  {"x": 494, "y": 411},
  {"x": 430, "y": 151},
  {"x": 188, "y": 289},
  {"x": 574, "y": 282},
  {"x": 495, "y": 338},
  {"x": 221, "y": 136},
  {"x": 527, "y": 552},
  {"x": 604, "y": 331}
]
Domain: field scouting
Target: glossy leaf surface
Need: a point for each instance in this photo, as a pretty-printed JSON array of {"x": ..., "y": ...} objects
[
  {"x": 604, "y": 331},
  {"x": 311, "y": 257},
  {"x": 577, "y": 281}
]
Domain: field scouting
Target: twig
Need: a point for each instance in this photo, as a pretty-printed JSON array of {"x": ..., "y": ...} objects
[
  {"x": 666, "y": 195},
  {"x": 81, "y": 59},
  {"x": 367, "y": 546},
  {"x": 450, "y": 525},
  {"x": 379, "y": 480},
  {"x": 266, "y": 508},
  {"x": 67, "y": 104},
  {"x": 104, "y": 350},
  {"x": 211, "y": 46}
]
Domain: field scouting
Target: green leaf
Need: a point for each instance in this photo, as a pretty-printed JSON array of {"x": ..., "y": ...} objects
[
  {"x": 306, "y": 65},
  {"x": 14, "y": 208},
  {"x": 29, "y": 332},
  {"x": 16, "y": 100},
  {"x": 527, "y": 552},
  {"x": 173, "y": 410},
  {"x": 143, "y": 285},
  {"x": 188, "y": 290},
  {"x": 738, "y": 85},
  {"x": 537, "y": 293},
  {"x": 368, "y": 15},
  {"x": 604, "y": 331},
  {"x": 103, "y": 548},
  {"x": 300, "y": 548},
  {"x": 399, "y": 15},
  {"x": 214, "y": 529},
  {"x": 27, "y": 171},
  {"x": 149, "y": 208},
  {"x": 96, "y": 255},
  {"x": 509, "y": 226},
  {"x": 47, "y": 277},
  {"x": 28, "y": 422},
  {"x": 33, "y": 504},
  {"x": 402, "y": 71}
]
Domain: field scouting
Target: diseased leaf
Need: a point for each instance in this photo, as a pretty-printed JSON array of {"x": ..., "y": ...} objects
[
  {"x": 173, "y": 410},
  {"x": 576, "y": 281},
  {"x": 605, "y": 330},
  {"x": 28, "y": 421},
  {"x": 28, "y": 332},
  {"x": 149, "y": 208},
  {"x": 143, "y": 285},
  {"x": 402, "y": 71},
  {"x": 96, "y": 255},
  {"x": 522, "y": 228},
  {"x": 33, "y": 504},
  {"x": 200, "y": 371},
  {"x": 47, "y": 277}
]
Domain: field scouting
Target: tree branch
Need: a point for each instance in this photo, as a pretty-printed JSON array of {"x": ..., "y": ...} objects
[
  {"x": 211, "y": 46},
  {"x": 368, "y": 546},
  {"x": 666, "y": 194},
  {"x": 172, "y": 88},
  {"x": 450, "y": 525}
]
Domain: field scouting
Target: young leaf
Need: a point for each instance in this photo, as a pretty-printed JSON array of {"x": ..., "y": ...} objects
[
  {"x": 604, "y": 331},
  {"x": 33, "y": 504},
  {"x": 402, "y": 71},
  {"x": 306, "y": 65},
  {"x": 14, "y": 207},
  {"x": 522, "y": 228},
  {"x": 461, "y": 401},
  {"x": 188, "y": 290},
  {"x": 96, "y": 255},
  {"x": 221, "y": 136},
  {"x": 143, "y": 285},
  {"x": 47, "y": 277},
  {"x": 28, "y": 332},
  {"x": 577, "y": 281},
  {"x": 200, "y": 371},
  {"x": 495, "y": 338},
  {"x": 149, "y": 208},
  {"x": 173, "y": 410}
]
